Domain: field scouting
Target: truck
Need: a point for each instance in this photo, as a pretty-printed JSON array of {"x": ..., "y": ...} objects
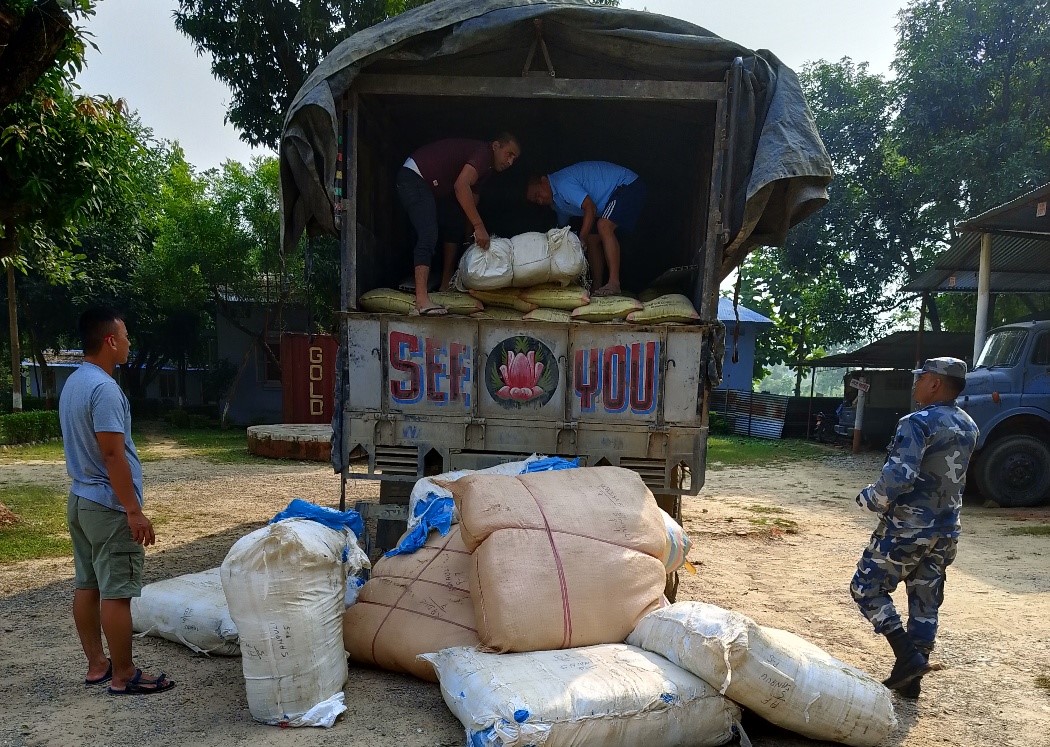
[
  {"x": 1008, "y": 395},
  {"x": 727, "y": 146}
]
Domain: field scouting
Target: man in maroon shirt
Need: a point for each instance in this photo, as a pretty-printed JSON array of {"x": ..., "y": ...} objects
[{"x": 438, "y": 187}]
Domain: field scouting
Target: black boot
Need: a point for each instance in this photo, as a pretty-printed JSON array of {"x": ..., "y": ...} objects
[
  {"x": 909, "y": 664},
  {"x": 912, "y": 690}
]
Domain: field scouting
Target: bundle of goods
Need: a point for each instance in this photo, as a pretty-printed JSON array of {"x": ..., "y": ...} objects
[
  {"x": 285, "y": 584},
  {"x": 548, "y": 315},
  {"x": 673, "y": 307},
  {"x": 390, "y": 301},
  {"x": 507, "y": 298},
  {"x": 556, "y": 297},
  {"x": 499, "y": 314},
  {"x": 607, "y": 309},
  {"x": 190, "y": 610},
  {"x": 523, "y": 261},
  {"x": 776, "y": 674},
  {"x": 413, "y": 604},
  {"x": 548, "y": 549},
  {"x": 602, "y": 695}
]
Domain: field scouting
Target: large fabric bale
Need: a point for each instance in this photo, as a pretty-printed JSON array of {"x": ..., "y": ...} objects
[
  {"x": 413, "y": 604},
  {"x": 285, "y": 584},
  {"x": 781, "y": 677},
  {"x": 601, "y": 695},
  {"x": 190, "y": 610},
  {"x": 561, "y": 559}
]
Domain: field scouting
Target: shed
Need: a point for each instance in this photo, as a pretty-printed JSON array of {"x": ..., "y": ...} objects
[{"x": 743, "y": 326}]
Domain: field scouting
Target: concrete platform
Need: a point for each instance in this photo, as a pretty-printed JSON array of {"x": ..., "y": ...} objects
[{"x": 310, "y": 443}]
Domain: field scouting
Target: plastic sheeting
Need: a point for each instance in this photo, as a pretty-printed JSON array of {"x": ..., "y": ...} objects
[{"x": 781, "y": 167}]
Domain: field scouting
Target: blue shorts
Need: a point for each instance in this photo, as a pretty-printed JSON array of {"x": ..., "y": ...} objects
[{"x": 625, "y": 205}]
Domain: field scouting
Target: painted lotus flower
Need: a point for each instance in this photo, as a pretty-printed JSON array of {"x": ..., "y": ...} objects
[{"x": 520, "y": 374}]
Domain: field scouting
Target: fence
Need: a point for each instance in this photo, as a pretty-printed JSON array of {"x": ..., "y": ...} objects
[{"x": 770, "y": 416}]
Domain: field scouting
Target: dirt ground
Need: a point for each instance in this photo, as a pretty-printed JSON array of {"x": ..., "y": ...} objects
[{"x": 777, "y": 543}]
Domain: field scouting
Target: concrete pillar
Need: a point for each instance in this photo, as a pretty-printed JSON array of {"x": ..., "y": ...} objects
[{"x": 984, "y": 284}]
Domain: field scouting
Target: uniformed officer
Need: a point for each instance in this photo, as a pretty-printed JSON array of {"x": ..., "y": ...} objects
[{"x": 918, "y": 498}]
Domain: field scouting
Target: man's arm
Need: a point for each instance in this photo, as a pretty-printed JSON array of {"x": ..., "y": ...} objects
[
  {"x": 465, "y": 182},
  {"x": 590, "y": 217},
  {"x": 119, "y": 472},
  {"x": 900, "y": 470}
]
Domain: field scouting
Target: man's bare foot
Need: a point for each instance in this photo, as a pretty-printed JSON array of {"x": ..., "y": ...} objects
[{"x": 607, "y": 290}]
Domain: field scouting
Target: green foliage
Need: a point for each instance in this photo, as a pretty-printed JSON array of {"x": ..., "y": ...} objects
[
  {"x": 183, "y": 419},
  {"x": 264, "y": 49},
  {"x": 1036, "y": 530},
  {"x": 47, "y": 451},
  {"x": 718, "y": 423},
  {"x": 41, "y": 530},
  {"x": 27, "y": 427}
]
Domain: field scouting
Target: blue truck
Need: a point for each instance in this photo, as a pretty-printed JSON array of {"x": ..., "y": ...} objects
[{"x": 1008, "y": 395}]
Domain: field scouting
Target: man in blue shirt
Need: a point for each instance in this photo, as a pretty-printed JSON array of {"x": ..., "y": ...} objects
[
  {"x": 104, "y": 511},
  {"x": 607, "y": 197}
]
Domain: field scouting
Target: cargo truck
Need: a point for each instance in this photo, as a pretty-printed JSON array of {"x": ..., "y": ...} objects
[{"x": 721, "y": 134}]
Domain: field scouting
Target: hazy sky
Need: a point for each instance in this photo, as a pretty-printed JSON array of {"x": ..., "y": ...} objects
[{"x": 143, "y": 59}]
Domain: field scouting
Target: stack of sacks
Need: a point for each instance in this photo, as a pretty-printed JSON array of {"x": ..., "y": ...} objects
[
  {"x": 561, "y": 559},
  {"x": 413, "y": 604},
  {"x": 672, "y": 308},
  {"x": 524, "y": 261},
  {"x": 600, "y": 695},
  {"x": 190, "y": 610},
  {"x": 776, "y": 674},
  {"x": 285, "y": 584}
]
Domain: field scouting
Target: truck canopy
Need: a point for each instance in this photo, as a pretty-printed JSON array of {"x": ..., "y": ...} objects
[{"x": 779, "y": 167}]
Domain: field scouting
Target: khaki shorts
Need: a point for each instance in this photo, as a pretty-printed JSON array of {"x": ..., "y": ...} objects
[{"x": 104, "y": 554}]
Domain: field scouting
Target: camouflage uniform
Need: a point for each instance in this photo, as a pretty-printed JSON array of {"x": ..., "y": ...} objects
[{"x": 918, "y": 497}]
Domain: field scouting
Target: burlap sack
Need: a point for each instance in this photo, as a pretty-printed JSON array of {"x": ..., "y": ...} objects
[
  {"x": 413, "y": 604},
  {"x": 561, "y": 559}
]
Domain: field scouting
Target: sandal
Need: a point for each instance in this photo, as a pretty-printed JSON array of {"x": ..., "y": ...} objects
[
  {"x": 434, "y": 310},
  {"x": 137, "y": 685},
  {"x": 104, "y": 678}
]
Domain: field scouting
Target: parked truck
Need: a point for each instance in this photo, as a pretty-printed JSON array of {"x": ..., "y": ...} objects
[
  {"x": 1008, "y": 396},
  {"x": 721, "y": 134}
]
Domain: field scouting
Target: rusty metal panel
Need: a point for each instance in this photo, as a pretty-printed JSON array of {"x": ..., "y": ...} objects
[
  {"x": 430, "y": 365},
  {"x": 750, "y": 413},
  {"x": 364, "y": 348},
  {"x": 307, "y": 378},
  {"x": 616, "y": 374},
  {"x": 682, "y": 382},
  {"x": 521, "y": 371}
]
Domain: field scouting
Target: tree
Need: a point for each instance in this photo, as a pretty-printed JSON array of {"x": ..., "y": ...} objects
[
  {"x": 36, "y": 35},
  {"x": 972, "y": 78},
  {"x": 265, "y": 49}
]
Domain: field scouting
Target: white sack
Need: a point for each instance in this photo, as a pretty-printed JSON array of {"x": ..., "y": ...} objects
[
  {"x": 190, "y": 610},
  {"x": 285, "y": 584},
  {"x": 776, "y": 674},
  {"x": 528, "y": 259},
  {"x": 610, "y": 694}
]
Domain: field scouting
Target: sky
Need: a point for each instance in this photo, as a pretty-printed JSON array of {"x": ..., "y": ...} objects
[{"x": 143, "y": 59}]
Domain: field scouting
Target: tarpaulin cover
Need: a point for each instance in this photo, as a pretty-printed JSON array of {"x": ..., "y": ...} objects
[{"x": 781, "y": 169}]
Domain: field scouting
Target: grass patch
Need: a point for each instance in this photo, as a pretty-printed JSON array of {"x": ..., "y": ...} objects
[
  {"x": 732, "y": 451},
  {"x": 41, "y": 531},
  {"x": 1038, "y": 530},
  {"x": 212, "y": 445},
  {"x": 51, "y": 451},
  {"x": 757, "y": 509},
  {"x": 787, "y": 526}
]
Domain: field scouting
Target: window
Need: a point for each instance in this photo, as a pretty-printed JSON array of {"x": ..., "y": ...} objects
[{"x": 1041, "y": 351}]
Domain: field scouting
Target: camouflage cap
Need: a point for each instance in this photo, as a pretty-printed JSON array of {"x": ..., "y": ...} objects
[{"x": 952, "y": 367}]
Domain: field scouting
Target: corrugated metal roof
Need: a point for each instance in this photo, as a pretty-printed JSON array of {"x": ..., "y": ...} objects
[
  {"x": 900, "y": 350},
  {"x": 965, "y": 281},
  {"x": 1027, "y": 215},
  {"x": 1009, "y": 254},
  {"x": 727, "y": 314}
]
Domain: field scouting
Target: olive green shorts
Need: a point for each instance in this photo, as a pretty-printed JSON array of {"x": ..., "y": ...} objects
[{"x": 104, "y": 554}]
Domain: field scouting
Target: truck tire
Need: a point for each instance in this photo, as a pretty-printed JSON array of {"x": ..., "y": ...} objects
[
  {"x": 672, "y": 504},
  {"x": 389, "y": 531},
  {"x": 1015, "y": 471}
]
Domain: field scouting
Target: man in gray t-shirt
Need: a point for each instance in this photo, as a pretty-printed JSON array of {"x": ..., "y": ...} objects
[{"x": 104, "y": 511}]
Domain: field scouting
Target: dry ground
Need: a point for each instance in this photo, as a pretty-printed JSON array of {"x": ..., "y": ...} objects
[{"x": 777, "y": 543}]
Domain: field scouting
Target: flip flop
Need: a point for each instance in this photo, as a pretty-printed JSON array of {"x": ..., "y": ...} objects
[
  {"x": 137, "y": 686},
  {"x": 602, "y": 293},
  {"x": 430, "y": 311},
  {"x": 104, "y": 678}
]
